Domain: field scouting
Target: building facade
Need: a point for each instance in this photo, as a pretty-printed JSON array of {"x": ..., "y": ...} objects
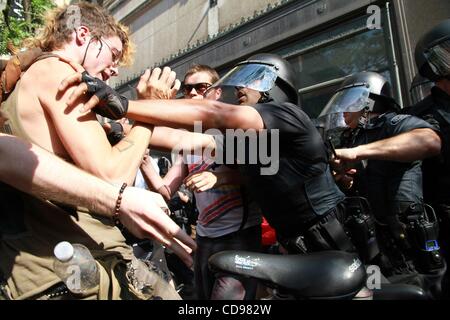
[{"x": 325, "y": 40}]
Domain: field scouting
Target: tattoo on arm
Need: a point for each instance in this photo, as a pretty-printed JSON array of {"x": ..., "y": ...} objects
[{"x": 125, "y": 144}]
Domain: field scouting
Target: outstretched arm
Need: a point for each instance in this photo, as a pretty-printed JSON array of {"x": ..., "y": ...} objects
[
  {"x": 181, "y": 113},
  {"x": 36, "y": 171},
  {"x": 414, "y": 145},
  {"x": 184, "y": 113}
]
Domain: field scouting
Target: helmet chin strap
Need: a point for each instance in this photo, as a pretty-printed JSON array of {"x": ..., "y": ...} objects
[
  {"x": 364, "y": 119},
  {"x": 265, "y": 97}
]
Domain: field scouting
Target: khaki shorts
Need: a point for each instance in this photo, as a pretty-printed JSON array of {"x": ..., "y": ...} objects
[{"x": 135, "y": 280}]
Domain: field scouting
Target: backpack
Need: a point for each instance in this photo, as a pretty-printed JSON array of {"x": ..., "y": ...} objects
[{"x": 12, "y": 69}]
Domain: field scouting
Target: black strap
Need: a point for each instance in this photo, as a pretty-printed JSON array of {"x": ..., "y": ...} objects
[
  {"x": 337, "y": 234},
  {"x": 44, "y": 55}
]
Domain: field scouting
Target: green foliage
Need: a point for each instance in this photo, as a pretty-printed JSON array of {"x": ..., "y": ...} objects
[{"x": 14, "y": 30}]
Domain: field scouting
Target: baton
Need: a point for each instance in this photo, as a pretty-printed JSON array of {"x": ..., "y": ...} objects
[{"x": 333, "y": 150}]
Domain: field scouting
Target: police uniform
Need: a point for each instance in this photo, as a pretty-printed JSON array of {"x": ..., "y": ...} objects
[
  {"x": 435, "y": 109},
  {"x": 394, "y": 191},
  {"x": 302, "y": 193}
]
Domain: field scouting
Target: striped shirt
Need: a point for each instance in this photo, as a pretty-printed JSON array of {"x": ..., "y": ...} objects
[{"x": 221, "y": 208}]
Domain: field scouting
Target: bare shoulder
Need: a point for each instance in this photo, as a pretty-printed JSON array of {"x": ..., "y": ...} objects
[
  {"x": 43, "y": 79},
  {"x": 47, "y": 74}
]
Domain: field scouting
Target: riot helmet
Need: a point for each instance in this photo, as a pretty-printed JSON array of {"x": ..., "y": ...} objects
[
  {"x": 266, "y": 73},
  {"x": 420, "y": 87},
  {"x": 363, "y": 92},
  {"x": 433, "y": 52}
]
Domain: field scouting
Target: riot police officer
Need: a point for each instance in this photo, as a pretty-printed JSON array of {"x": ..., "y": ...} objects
[
  {"x": 432, "y": 56},
  {"x": 300, "y": 200},
  {"x": 294, "y": 189},
  {"x": 387, "y": 148}
]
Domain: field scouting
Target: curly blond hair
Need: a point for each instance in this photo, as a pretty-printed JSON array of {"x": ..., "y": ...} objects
[{"x": 61, "y": 22}]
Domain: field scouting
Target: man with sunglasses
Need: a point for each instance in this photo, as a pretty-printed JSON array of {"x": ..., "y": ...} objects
[
  {"x": 197, "y": 80},
  {"x": 226, "y": 220},
  {"x": 432, "y": 56}
]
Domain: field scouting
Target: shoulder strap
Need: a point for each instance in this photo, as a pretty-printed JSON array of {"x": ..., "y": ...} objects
[{"x": 12, "y": 70}]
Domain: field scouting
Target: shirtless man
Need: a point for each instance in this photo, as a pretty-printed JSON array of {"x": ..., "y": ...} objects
[
  {"x": 84, "y": 34},
  {"x": 33, "y": 170}
]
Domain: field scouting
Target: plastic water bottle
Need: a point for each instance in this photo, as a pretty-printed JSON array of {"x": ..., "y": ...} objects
[{"x": 75, "y": 266}]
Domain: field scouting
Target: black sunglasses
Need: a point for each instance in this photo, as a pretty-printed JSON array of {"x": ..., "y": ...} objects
[{"x": 199, "y": 87}]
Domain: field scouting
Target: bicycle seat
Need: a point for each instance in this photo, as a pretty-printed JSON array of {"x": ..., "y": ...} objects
[{"x": 320, "y": 275}]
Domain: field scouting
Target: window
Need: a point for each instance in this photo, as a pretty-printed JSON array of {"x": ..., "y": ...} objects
[{"x": 322, "y": 61}]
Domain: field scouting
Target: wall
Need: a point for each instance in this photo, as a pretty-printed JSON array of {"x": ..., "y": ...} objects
[{"x": 161, "y": 29}]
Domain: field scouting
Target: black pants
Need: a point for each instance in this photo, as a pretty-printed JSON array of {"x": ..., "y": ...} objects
[{"x": 225, "y": 286}]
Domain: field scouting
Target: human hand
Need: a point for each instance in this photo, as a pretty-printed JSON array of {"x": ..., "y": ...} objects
[
  {"x": 158, "y": 84},
  {"x": 146, "y": 160},
  {"x": 141, "y": 213},
  {"x": 343, "y": 170},
  {"x": 345, "y": 179},
  {"x": 347, "y": 154},
  {"x": 75, "y": 65},
  {"x": 104, "y": 100},
  {"x": 183, "y": 196},
  {"x": 200, "y": 182},
  {"x": 159, "y": 200}
]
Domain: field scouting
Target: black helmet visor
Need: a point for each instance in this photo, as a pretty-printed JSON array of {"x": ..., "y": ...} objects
[{"x": 439, "y": 58}]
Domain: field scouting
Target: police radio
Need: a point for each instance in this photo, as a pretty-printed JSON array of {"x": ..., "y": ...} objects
[
  {"x": 423, "y": 231},
  {"x": 360, "y": 225}
]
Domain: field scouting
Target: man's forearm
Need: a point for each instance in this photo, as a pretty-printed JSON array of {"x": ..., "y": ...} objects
[
  {"x": 417, "y": 144},
  {"x": 181, "y": 113},
  {"x": 36, "y": 171},
  {"x": 127, "y": 155},
  {"x": 175, "y": 140},
  {"x": 151, "y": 177}
]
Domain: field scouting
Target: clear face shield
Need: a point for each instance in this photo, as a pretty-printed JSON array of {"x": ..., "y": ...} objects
[
  {"x": 343, "y": 111},
  {"x": 439, "y": 58},
  {"x": 258, "y": 77},
  {"x": 331, "y": 126}
]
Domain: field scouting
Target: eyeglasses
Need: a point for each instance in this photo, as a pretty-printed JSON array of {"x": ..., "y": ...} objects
[
  {"x": 116, "y": 54},
  {"x": 200, "y": 88}
]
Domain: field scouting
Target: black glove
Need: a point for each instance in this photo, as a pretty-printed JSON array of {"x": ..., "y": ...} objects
[
  {"x": 116, "y": 133},
  {"x": 112, "y": 105}
]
